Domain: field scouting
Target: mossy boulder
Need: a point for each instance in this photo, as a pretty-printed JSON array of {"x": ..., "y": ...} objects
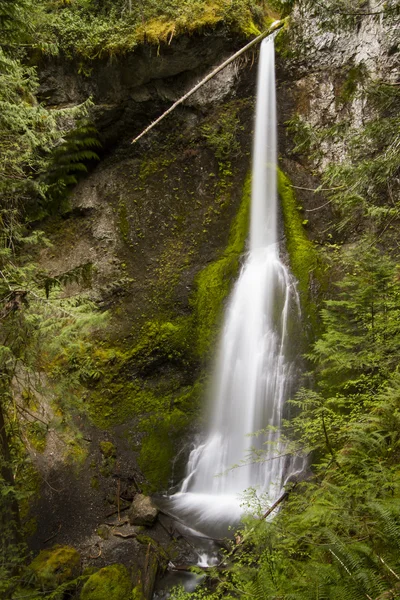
[
  {"x": 55, "y": 566},
  {"x": 110, "y": 583}
]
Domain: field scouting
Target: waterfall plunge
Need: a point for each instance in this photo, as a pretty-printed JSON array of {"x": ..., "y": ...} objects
[{"x": 252, "y": 374}]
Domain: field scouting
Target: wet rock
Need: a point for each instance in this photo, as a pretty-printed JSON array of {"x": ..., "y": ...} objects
[{"x": 142, "y": 511}]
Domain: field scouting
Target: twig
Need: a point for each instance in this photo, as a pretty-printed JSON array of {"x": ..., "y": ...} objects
[
  {"x": 119, "y": 499},
  {"x": 265, "y": 515},
  {"x": 19, "y": 408},
  {"x": 389, "y": 569},
  {"x": 54, "y": 534},
  {"x": 114, "y": 512}
]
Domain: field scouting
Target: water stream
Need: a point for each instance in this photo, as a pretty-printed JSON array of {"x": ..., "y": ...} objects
[{"x": 253, "y": 373}]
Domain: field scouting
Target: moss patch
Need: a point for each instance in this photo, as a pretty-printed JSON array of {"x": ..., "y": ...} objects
[
  {"x": 55, "y": 566},
  {"x": 304, "y": 260},
  {"x": 159, "y": 447},
  {"x": 215, "y": 281},
  {"x": 110, "y": 583},
  {"x": 164, "y": 341}
]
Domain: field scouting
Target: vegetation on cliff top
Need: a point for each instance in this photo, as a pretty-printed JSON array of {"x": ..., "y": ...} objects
[{"x": 87, "y": 29}]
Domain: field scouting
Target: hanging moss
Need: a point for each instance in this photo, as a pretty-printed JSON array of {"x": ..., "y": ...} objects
[
  {"x": 110, "y": 583},
  {"x": 304, "y": 260}
]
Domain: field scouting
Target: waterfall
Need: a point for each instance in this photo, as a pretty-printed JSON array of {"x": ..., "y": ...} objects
[{"x": 252, "y": 374}]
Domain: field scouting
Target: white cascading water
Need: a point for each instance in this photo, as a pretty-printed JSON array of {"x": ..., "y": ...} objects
[{"x": 252, "y": 374}]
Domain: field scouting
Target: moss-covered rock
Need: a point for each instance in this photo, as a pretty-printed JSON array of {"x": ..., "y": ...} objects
[
  {"x": 55, "y": 566},
  {"x": 110, "y": 583}
]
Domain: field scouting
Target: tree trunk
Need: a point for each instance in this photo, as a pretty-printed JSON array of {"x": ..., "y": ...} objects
[{"x": 9, "y": 508}]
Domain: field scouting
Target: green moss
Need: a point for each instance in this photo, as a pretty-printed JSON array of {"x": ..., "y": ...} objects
[
  {"x": 221, "y": 132},
  {"x": 283, "y": 43},
  {"x": 215, "y": 281},
  {"x": 304, "y": 260},
  {"x": 36, "y": 434},
  {"x": 159, "y": 447},
  {"x": 163, "y": 341},
  {"x": 137, "y": 593},
  {"x": 110, "y": 583},
  {"x": 151, "y": 165},
  {"x": 108, "y": 449},
  {"x": 109, "y": 453},
  {"x": 55, "y": 566},
  {"x": 104, "y": 532},
  {"x": 81, "y": 29},
  {"x": 94, "y": 483}
]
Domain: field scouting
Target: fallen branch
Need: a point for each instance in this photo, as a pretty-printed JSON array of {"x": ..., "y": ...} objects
[
  {"x": 191, "y": 568},
  {"x": 271, "y": 509},
  {"x": 274, "y": 27},
  {"x": 276, "y": 504},
  {"x": 54, "y": 534}
]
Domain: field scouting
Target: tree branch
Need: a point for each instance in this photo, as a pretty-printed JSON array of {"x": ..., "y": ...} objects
[{"x": 274, "y": 27}]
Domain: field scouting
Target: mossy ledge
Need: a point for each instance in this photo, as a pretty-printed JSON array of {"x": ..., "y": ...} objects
[{"x": 305, "y": 261}]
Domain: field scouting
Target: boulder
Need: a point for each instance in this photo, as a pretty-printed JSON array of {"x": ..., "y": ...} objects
[
  {"x": 110, "y": 583},
  {"x": 142, "y": 511},
  {"x": 55, "y": 566}
]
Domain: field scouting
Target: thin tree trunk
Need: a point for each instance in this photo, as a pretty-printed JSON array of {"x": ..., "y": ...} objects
[{"x": 10, "y": 505}]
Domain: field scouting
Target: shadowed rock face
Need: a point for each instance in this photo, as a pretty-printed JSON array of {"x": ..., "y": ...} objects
[{"x": 129, "y": 90}]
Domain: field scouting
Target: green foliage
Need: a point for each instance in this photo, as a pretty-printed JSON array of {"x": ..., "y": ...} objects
[
  {"x": 91, "y": 30},
  {"x": 39, "y": 328},
  {"x": 112, "y": 582},
  {"x": 364, "y": 186},
  {"x": 69, "y": 158},
  {"x": 164, "y": 342}
]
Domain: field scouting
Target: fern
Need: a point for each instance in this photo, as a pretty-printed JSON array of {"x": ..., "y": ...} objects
[{"x": 70, "y": 158}]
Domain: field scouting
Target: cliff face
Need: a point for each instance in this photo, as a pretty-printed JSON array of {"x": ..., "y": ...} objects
[{"x": 164, "y": 224}]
